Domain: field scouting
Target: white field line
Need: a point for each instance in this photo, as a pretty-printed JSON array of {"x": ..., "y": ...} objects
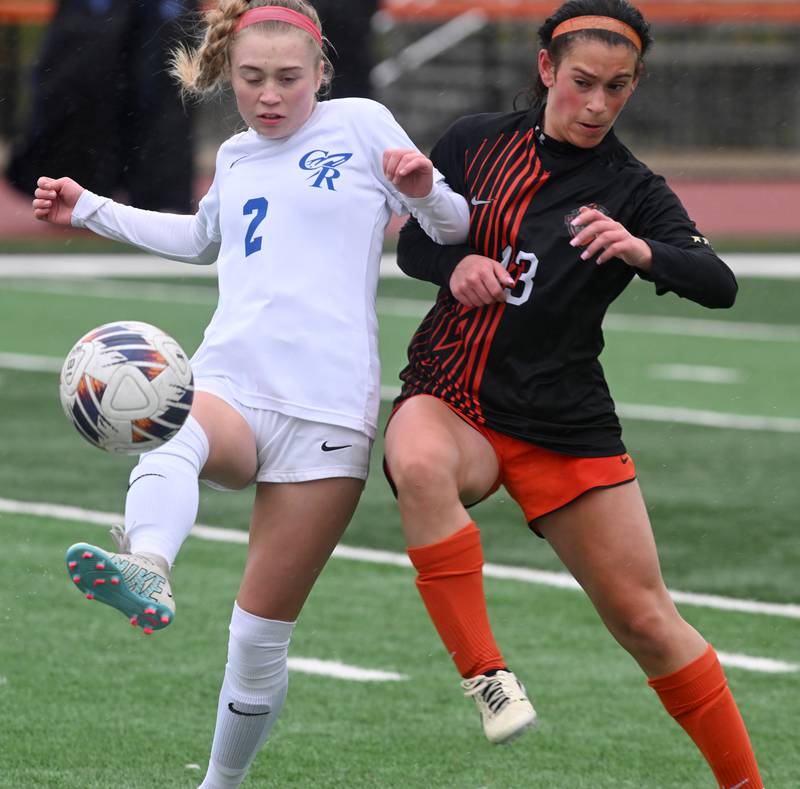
[
  {"x": 651, "y": 324},
  {"x": 503, "y": 572},
  {"x": 30, "y": 363},
  {"x": 743, "y": 265},
  {"x": 686, "y": 416},
  {"x": 82, "y": 266},
  {"x": 769, "y": 266},
  {"x": 700, "y": 327},
  {"x": 414, "y": 308},
  {"x": 702, "y": 373},
  {"x": 646, "y": 413},
  {"x": 694, "y": 416},
  {"x": 333, "y": 668},
  {"x": 766, "y": 665}
]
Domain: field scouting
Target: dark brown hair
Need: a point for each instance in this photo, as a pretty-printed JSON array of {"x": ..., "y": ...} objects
[{"x": 560, "y": 46}]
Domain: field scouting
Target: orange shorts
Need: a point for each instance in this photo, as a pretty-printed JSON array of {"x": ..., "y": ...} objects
[{"x": 540, "y": 480}]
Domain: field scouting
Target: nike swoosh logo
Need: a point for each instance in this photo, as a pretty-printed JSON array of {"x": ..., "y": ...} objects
[
  {"x": 326, "y": 448},
  {"x": 142, "y": 476},
  {"x": 248, "y": 714},
  {"x": 475, "y": 201},
  {"x": 624, "y": 458},
  {"x": 236, "y": 161}
]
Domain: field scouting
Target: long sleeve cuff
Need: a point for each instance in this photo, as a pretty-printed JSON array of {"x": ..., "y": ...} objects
[{"x": 443, "y": 214}]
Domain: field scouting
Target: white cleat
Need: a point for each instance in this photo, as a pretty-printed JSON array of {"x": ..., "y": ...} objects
[{"x": 503, "y": 705}]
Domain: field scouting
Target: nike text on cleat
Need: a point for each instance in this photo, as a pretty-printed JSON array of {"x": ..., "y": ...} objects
[
  {"x": 503, "y": 705},
  {"x": 131, "y": 583}
]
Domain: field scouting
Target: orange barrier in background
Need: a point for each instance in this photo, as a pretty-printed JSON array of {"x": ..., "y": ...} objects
[
  {"x": 659, "y": 11},
  {"x": 677, "y": 11},
  {"x": 26, "y": 12}
]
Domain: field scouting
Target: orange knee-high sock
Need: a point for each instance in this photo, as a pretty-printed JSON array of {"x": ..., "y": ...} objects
[
  {"x": 450, "y": 580},
  {"x": 699, "y": 699}
]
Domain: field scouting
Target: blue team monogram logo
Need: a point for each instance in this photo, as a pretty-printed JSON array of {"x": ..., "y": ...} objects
[{"x": 324, "y": 167}]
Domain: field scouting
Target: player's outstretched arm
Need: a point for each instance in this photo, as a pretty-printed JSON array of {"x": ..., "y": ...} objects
[
  {"x": 187, "y": 238},
  {"x": 409, "y": 170},
  {"x": 55, "y": 198}
]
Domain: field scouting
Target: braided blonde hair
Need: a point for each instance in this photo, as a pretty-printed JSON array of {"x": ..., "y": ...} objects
[{"x": 203, "y": 70}]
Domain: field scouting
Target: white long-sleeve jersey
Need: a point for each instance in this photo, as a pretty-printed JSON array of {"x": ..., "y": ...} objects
[{"x": 296, "y": 227}]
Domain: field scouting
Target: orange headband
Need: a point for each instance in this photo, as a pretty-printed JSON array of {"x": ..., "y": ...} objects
[
  {"x": 275, "y": 13},
  {"x": 599, "y": 23}
]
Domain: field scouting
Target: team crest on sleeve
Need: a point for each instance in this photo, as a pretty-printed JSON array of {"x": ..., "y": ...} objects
[
  {"x": 575, "y": 229},
  {"x": 324, "y": 167}
]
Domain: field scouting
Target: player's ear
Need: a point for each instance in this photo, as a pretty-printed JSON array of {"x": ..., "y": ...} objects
[
  {"x": 320, "y": 75},
  {"x": 547, "y": 69}
]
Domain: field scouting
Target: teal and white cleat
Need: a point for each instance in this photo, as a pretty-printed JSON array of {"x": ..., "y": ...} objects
[
  {"x": 130, "y": 582},
  {"x": 503, "y": 705}
]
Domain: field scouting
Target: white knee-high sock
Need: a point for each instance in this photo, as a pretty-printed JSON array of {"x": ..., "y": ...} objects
[
  {"x": 163, "y": 496},
  {"x": 252, "y": 695}
]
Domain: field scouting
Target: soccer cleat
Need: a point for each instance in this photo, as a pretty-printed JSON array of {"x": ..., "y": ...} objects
[
  {"x": 503, "y": 705},
  {"x": 130, "y": 582}
]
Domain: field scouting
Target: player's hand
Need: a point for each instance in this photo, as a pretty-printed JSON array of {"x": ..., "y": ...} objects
[
  {"x": 478, "y": 280},
  {"x": 55, "y": 198},
  {"x": 607, "y": 238},
  {"x": 409, "y": 170}
]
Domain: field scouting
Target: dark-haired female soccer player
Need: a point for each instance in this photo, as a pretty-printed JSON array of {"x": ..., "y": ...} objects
[{"x": 503, "y": 383}]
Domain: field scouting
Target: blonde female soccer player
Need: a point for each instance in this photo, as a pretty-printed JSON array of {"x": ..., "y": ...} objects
[
  {"x": 504, "y": 385},
  {"x": 286, "y": 377}
]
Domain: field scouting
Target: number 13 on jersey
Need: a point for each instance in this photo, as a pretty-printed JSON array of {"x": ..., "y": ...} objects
[
  {"x": 528, "y": 262},
  {"x": 257, "y": 206}
]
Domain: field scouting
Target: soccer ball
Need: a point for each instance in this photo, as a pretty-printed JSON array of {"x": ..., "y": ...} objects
[{"x": 127, "y": 387}]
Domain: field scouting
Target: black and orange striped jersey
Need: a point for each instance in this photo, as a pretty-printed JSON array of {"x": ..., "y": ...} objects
[{"x": 529, "y": 367}]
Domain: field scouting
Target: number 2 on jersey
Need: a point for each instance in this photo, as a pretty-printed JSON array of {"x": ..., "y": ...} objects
[{"x": 257, "y": 206}]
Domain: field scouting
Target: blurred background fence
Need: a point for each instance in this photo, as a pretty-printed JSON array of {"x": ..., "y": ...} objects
[
  {"x": 720, "y": 100},
  {"x": 722, "y": 84}
]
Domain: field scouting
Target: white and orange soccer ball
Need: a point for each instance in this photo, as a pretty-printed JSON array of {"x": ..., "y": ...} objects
[{"x": 127, "y": 387}]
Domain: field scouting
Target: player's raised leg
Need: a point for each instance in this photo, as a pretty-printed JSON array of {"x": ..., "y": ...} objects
[{"x": 160, "y": 509}]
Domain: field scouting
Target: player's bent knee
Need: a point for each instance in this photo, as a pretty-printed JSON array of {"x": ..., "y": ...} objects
[
  {"x": 420, "y": 474},
  {"x": 258, "y": 652},
  {"x": 188, "y": 449}
]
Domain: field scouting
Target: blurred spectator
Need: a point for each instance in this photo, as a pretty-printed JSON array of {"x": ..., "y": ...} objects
[
  {"x": 103, "y": 107},
  {"x": 347, "y": 25}
]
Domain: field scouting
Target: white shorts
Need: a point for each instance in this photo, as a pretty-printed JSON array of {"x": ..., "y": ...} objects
[{"x": 291, "y": 449}]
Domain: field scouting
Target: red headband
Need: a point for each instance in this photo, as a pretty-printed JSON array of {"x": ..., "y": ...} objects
[
  {"x": 275, "y": 13},
  {"x": 599, "y": 23}
]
